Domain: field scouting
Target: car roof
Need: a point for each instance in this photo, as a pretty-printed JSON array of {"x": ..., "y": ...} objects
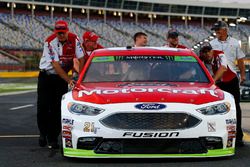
[{"x": 142, "y": 51}]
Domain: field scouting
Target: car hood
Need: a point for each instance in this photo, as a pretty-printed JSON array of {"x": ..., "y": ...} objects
[{"x": 106, "y": 93}]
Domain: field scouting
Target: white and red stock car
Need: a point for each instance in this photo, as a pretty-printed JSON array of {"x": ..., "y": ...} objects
[{"x": 147, "y": 102}]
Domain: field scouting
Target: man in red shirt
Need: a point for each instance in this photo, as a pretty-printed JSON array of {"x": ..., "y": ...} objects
[
  {"x": 60, "y": 49},
  {"x": 173, "y": 40},
  {"x": 225, "y": 78},
  {"x": 89, "y": 44}
]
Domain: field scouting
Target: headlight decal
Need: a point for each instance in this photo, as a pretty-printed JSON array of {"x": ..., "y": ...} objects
[
  {"x": 221, "y": 108},
  {"x": 82, "y": 109}
]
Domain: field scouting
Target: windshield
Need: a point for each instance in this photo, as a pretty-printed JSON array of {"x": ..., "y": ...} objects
[{"x": 145, "y": 69}]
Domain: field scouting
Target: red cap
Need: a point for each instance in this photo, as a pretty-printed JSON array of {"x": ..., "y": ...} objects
[
  {"x": 61, "y": 26},
  {"x": 88, "y": 35}
]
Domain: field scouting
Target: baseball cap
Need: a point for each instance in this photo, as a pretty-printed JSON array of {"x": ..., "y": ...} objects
[
  {"x": 205, "y": 47},
  {"x": 218, "y": 25},
  {"x": 172, "y": 34},
  {"x": 88, "y": 35},
  {"x": 61, "y": 26}
]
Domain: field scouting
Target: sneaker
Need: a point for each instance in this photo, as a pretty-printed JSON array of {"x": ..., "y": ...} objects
[
  {"x": 53, "y": 145},
  {"x": 42, "y": 141},
  {"x": 239, "y": 143}
]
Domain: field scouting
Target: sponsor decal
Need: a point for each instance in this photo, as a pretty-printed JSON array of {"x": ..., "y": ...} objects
[
  {"x": 51, "y": 52},
  {"x": 168, "y": 58},
  {"x": 89, "y": 127},
  {"x": 67, "y": 127},
  {"x": 68, "y": 143},
  {"x": 66, "y": 134},
  {"x": 151, "y": 135},
  {"x": 126, "y": 58},
  {"x": 150, "y": 106},
  {"x": 231, "y": 121},
  {"x": 231, "y": 134},
  {"x": 211, "y": 126},
  {"x": 147, "y": 84},
  {"x": 229, "y": 143},
  {"x": 81, "y": 93},
  {"x": 185, "y": 59},
  {"x": 69, "y": 47},
  {"x": 67, "y": 121},
  {"x": 103, "y": 59},
  {"x": 231, "y": 128}
]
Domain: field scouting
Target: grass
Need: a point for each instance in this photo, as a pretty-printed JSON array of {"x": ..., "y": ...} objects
[{"x": 14, "y": 87}]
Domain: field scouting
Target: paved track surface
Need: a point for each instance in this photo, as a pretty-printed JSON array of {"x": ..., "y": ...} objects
[{"x": 19, "y": 146}]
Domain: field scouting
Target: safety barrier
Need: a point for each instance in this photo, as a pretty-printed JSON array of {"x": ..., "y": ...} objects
[{"x": 29, "y": 74}]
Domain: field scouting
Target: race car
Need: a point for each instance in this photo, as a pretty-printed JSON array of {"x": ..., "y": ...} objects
[{"x": 150, "y": 102}]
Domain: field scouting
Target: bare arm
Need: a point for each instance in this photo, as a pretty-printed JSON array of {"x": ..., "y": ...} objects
[
  {"x": 81, "y": 63},
  {"x": 219, "y": 73},
  {"x": 242, "y": 70},
  {"x": 76, "y": 65}
]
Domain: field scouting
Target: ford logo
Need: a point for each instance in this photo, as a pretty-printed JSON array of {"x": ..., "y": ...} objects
[{"x": 150, "y": 106}]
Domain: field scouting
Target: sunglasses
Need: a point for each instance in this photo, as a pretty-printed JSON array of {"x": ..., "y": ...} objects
[
  {"x": 60, "y": 28},
  {"x": 61, "y": 33}
]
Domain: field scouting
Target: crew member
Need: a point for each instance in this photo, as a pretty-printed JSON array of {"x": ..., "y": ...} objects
[
  {"x": 230, "y": 46},
  {"x": 140, "y": 39},
  {"x": 57, "y": 60},
  {"x": 90, "y": 43},
  {"x": 173, "y": 40},
  {"x": 225, "y": 78}
]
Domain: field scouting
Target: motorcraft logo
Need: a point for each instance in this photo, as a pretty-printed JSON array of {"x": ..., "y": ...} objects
[
  {"x": 82, "y": 93},
  {"x": 150, "y": 106}
]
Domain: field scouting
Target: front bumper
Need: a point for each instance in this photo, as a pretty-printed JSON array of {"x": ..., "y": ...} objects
[{"x": 222, "y": 127}]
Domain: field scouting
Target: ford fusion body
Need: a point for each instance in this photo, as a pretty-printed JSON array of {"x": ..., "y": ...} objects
[{"x": 147, "y": 102}]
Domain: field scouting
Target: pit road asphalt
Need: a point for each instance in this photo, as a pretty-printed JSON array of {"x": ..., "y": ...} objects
[{"x": 19, "y": 142}]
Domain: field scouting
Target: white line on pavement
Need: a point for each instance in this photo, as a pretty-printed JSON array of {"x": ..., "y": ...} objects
[
  {"x": 19, "y": 107},
  {"x": 16, "y": 93},
  {"x": 16, "y": 136}
]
